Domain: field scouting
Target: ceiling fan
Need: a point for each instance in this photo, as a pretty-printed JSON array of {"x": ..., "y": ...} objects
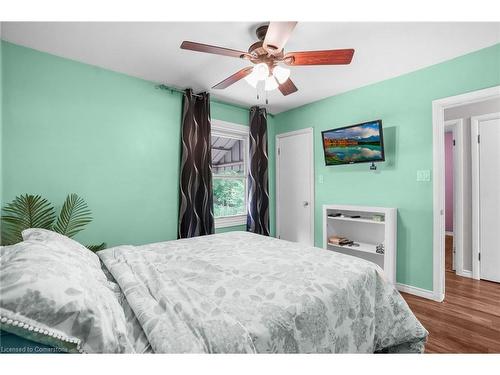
[{"x": 268, "y": 56}]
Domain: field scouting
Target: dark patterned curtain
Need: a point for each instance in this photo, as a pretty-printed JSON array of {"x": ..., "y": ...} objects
[
  {"x": 258, "y": 189},
  {"x": 195, "y": 212}
]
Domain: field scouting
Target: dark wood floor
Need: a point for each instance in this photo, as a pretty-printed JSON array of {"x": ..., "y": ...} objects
[{"x": 468, "y": 321}]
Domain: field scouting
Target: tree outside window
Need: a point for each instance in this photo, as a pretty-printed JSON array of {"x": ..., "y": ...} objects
[{"x": 229, "y": 179}]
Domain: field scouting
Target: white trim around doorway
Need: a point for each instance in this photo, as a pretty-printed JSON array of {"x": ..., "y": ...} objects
[{"x": 438, "y": 122}]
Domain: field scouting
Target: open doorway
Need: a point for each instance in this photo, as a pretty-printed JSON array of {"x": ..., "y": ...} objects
[
  {"x": 459, "y": 145},
  {"x": 454, "y": 195},
  {"x": 449, "y": 246},
  {"x": 454, "y": 250}
]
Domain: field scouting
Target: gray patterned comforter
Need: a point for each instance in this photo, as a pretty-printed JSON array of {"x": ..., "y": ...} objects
[{"x": 239, "y": 292}]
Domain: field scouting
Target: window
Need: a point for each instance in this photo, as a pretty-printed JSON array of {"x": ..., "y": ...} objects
[{"x": 229, "y": 171}]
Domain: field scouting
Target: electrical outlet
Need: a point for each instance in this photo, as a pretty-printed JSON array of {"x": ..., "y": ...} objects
[
  {"x": 424, "y": 175},
  {"x": 320, "y": 178}
]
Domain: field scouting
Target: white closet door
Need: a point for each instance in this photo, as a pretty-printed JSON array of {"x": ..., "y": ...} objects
[
  {"x": 295, "y": 186},
  {"x": 488, "y": 128}
]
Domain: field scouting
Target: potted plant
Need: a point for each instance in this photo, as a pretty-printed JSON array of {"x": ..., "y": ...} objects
[{"x": 33, "y": 211}]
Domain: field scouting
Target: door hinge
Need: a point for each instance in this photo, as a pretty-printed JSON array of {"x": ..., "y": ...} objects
[
  {"x": 478, "y": 138},
  {"x": 453, "y": 142},
  {"x": 279, "y": 150},
  {"x": 479, "y": 256}
]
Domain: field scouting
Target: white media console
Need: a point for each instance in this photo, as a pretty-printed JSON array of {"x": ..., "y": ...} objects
[{"x": 357, "y": 223}]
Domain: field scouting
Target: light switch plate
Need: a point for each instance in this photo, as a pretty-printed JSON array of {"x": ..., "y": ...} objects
[{"x": 424, "y": 175}]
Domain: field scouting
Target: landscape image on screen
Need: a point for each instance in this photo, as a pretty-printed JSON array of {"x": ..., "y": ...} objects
[{"x": 353, "y": 144}]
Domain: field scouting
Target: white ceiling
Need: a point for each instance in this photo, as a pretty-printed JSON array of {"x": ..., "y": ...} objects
[{"x": 151, "y": 51}]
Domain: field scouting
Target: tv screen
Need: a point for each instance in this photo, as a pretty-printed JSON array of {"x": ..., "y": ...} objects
[{"x": 358, "y": 143}]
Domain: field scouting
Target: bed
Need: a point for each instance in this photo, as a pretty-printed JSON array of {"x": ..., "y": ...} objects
[{"x": 239, "y": 292}]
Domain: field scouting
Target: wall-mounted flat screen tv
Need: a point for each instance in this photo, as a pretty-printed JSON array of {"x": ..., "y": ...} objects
[{"x": 360, "y": 143}]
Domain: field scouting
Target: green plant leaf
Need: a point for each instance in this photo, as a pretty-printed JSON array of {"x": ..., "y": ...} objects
[
  {"x": 25, "y": 211},
  {"x": 95, "y": 248},
  {"x": 74, "y": 216}
]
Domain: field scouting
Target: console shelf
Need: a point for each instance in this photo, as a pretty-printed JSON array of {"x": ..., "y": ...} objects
[
  {"x": 364, "y": 247},
  {"x": 365, "y": 232},
  {"x": 360, "y": 220}
]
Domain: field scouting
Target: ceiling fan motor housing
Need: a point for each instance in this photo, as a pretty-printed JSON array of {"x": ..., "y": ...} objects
[
  {"x": 261, "y": 31},
  {"x": 259, "y": 54}
]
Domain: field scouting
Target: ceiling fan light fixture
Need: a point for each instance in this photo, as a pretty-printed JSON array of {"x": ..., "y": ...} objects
[
  {"x": 261, "y": 71},
  {"x": 271, "y": 83},
  {"x": 281, "y": 74},
  {"x": 252, "y": 79}
]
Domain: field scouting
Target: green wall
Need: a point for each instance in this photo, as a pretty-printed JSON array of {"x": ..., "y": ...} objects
[
  {"x": 111, "y": 138},
  {"x": 404, "y": 105}
]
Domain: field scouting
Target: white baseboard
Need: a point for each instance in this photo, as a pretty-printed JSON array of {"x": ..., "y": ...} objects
[
  {"x": 465, "y": 273},
  {"x": 419, "y": 292}
]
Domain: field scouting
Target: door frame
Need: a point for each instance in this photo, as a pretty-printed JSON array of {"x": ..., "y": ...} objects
[
  {"x": 457, "y": 129},
  {"x": 438, "y": 107},
  {"x": 310, "y": 132},
  {"x": 474, "y": 131}
]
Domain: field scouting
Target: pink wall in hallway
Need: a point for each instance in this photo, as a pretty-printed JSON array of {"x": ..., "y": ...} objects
[{"x": 448, "y": 155}]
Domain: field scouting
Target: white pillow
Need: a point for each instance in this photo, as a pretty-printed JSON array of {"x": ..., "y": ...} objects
[
  {"x": 50, "y": 293},
  {"x": 58, "y": 242}
]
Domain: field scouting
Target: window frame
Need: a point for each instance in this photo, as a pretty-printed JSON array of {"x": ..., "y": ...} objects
[{"x": 241, "y": 132}]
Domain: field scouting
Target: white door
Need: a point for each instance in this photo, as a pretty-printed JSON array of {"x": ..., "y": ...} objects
[
  {"x": 295, "y": 186},
  {"x": 450, "y": 185},
  {"x": 486, "y": 133}
]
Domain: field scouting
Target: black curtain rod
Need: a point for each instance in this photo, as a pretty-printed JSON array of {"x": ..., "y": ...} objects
[{"x": 172, "y": 90}]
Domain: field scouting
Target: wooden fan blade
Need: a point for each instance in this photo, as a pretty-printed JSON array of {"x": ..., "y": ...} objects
[
  {"x": 277, "y": 35},
  {"x": 288, "y": 87},
  {"x": 234, "y": 78},
  {"x": 199, "y": 47},
  {"x": 329, "y": 57}
]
